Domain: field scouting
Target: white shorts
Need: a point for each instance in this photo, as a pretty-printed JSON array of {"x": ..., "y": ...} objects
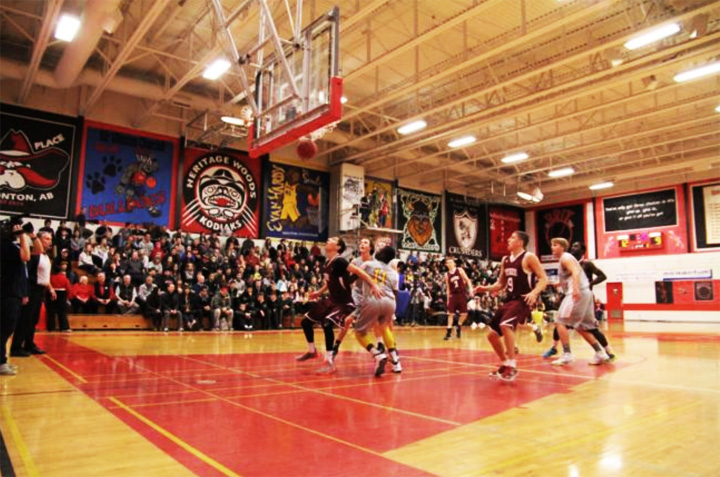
[
  {"x": 578, "y": 314},
  {"x": 374, "y": 311}
]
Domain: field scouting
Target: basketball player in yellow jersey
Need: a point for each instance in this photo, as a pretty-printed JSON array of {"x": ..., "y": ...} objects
[{"x": 289, "y": 208}]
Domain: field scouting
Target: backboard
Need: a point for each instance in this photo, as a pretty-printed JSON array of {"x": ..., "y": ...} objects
[{"x": 299, "y": 92}]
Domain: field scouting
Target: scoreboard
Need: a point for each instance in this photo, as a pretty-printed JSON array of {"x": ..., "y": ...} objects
[{"x": 640, "y": 241}]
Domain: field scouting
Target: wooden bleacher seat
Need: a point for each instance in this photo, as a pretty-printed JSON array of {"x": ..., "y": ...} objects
[{"x": 109, "y": 322}]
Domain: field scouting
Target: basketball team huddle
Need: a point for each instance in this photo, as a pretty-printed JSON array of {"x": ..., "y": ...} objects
[{"x": 362, "y": 293}]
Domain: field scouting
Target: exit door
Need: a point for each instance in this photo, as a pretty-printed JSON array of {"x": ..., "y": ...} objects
[{"x": 615, "y": 301}]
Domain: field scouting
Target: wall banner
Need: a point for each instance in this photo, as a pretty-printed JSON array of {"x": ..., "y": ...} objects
[
  {"x": 566, "y": 222},
  {"x": 296, "y": 203},
  {"x": 37, "y": 158},
  {"x": 220, "y": 192},
  {"x": 465, "y": 227},
  {"x": 504, "y": 220},
  {"x": 377, "y": 205},
  {"x": 420, "y": 219},
  {"x": 128, "y": 176}
]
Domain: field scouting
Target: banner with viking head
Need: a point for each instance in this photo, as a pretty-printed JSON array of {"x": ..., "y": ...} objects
[
  {"x": 128, "y": 175},
  {"x": 566, "y": 222},
  {"x": 420, "y": 219},
  {"x": 220, "y": 192},
  {"x": 37, "y": 159},
  {"x": 465, "y": 227}
]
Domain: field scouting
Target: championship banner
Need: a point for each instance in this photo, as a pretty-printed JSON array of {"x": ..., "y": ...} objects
[
  {"x": 37, "y": 161},
  {"x": 377, "y": 204},
  {"x": 296, "y": 203},
  {"x": 420, "y": 219},
  {"x": 504, "y": 220},
  {"x": 567, "y": 222},
  {"x": 220, "y": 192},
  {"x": 128, "y": 176},
  {"x": 465, "y": 227}
]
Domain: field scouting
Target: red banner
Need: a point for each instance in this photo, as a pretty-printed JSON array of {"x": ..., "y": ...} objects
[{"x": 221, "y": 192}]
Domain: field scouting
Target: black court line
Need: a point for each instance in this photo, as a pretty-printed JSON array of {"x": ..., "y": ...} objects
[{"x": 6, "y": 467}]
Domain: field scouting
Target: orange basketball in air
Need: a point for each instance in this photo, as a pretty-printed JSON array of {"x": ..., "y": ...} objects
[{"x": 306, "y": 149}]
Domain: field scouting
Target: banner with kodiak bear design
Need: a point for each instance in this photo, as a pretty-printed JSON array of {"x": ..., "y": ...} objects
[
  {"x": 420, "y": 219},
  {"x": 220, "y": 192},
  {"x": 465, "y": 227},
  {"x": 38, "y": 154}
]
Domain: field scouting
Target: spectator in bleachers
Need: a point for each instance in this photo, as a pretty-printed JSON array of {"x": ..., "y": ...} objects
[
  {"x": 170, "y": 306},
  {"x": 261, "y": 316},
  {"x": 127, "y": 296},
  {"x": 222, "y": 310},
  {"x": 58, "y": 307},
  {"x": 188, "y": 307},
  {"x": 204, "y": 305},
  {"x": 134, "y": 268},
  {"x": 81, "y": 296},
  {"x": 104, "y": 295},
  {"x": 85, "y": 260}
]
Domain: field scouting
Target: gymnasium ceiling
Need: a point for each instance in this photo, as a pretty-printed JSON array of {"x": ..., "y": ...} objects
[{"x": 548, "y": 77}]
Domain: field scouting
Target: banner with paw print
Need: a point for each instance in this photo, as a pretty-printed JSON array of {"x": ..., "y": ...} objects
[
  {"x": 420, "y": 219},
  {"x": 37, "y": 162},
  {"x": 127, "y": 176}
]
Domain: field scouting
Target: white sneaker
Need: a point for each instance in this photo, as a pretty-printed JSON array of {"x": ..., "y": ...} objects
[
  {"x": 566, "y": 358},
  {"x": 327, "y": 369},
  {"x": 599, "y": 358},
  {"x": 397, "y": 367},
  {"x": 6, "y": 370},
  {"x": 473, "y": 326}
]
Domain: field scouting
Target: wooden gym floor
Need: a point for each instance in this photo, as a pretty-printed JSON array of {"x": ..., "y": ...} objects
[{"x": 149, "y": 404}]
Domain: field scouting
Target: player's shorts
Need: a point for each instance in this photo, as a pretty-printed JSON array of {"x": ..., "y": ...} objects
[
  {"x": 326, "y": 310},
  {"x": 374, "y": 311},
  {"x": 511, "y": 313},
  {"x": 457, "y": 303},
  {"x": 578, "y": 314}
]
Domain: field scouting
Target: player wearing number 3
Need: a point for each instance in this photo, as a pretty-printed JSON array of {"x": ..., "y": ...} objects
[{"x": 523, "y": 279}]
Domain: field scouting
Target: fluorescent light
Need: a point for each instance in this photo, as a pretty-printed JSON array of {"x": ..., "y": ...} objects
[
  {"x": 524, "y": 195},
  {"x": 653, "y": 35},
  {"x": 463, "y": 141},
  {"x": 565, "y": 171},
  {"x": 216, "y": 69},
  {"x": 515, "y": 157},
  {"x": 718, "y": 108},
  {"x": 696, "y": 73},
  {"x": 233, "y": 120},
  {"x": 412, "y": 127},
  {"x": 67, "y": 27},
  {"x": 343, "y": 99},
  {"x": 601, "y": 185}
]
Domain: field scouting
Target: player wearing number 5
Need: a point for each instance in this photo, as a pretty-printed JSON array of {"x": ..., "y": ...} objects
[{"x": 523, "y": 279}]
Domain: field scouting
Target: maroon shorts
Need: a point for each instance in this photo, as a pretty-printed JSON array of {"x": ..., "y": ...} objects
[
  {"x": 457, "y": 303},
  {"x": 511, "y": 313},
  {"x": 327, "y": 310}
]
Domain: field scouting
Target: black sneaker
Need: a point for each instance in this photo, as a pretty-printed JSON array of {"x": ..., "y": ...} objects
[
  {"x": 508, "y": 374},
  {"x": 19, "y": 353},
  {"x": 381, "y": 359},
  {"x": 448, "y": 337},
  {"x": 538, "y": 334},
  {"x": 458, "y": 332},
  {"x": 498, "y": 372}
]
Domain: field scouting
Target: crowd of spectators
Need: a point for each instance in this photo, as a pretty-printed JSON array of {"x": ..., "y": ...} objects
[{"x": 187, "y": 282}]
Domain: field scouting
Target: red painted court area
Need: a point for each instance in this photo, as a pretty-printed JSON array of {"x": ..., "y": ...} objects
[{"x": 265, "y": 414}]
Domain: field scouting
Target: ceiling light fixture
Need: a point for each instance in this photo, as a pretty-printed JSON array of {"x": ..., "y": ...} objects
[
  {"x": 343, "y": 100},
  {"x": 653, "y": 35},
  {"x": 601, "y": 185},
  {"x": 412, "y": 127},
  {"x": 524, "y": 195},
  {"x": 216, "y": 69},
  {"x": 67, "y": 27},
  {"x": 233, "y": 120},
  {"x": 463, "y": 141},
  {"x": 695, "y": 73},
  {"x": 565, "y": 171},
  {"x": 515, "y": 157},
  {"x": 717, "y": 108}
]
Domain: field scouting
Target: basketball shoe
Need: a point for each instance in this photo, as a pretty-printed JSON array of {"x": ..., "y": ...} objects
[
  {"x": 306, "y": 356},
  {"x": 508, "y": 373},
  {"x": 566, "y": 358}
]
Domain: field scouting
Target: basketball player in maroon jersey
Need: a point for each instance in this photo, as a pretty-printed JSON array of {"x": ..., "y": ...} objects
[
  {"x": 518, "y": 272},
  {"x": 331, "y": 311},
  {"x": 458, "y": 289}
]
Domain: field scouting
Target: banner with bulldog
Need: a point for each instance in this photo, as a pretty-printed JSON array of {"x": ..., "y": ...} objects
[
  {"x": 37, "y": 159},
  {"x": 465, "y": 227},
  {"x": 128, "y": 176},
  {"x": 296, "y": 203},
  {"x": 420, "y": 219},
  {"x": 567, "y": 222},
  {"x": 504, "y": 220},
  {"x": 220, "y": 192}
]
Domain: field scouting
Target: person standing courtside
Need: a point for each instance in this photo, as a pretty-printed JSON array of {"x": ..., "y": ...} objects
[
  {"x": 39, "y": 267},
  {"x": 457, "y": 286},
  {"x": 14, "y": 253},
  {"x": 517, "y": 274}
]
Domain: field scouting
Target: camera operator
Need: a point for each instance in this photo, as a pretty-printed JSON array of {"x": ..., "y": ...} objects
[
  {"x": 39, "y": 266},
  {"x": 14, "y": 253}
]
